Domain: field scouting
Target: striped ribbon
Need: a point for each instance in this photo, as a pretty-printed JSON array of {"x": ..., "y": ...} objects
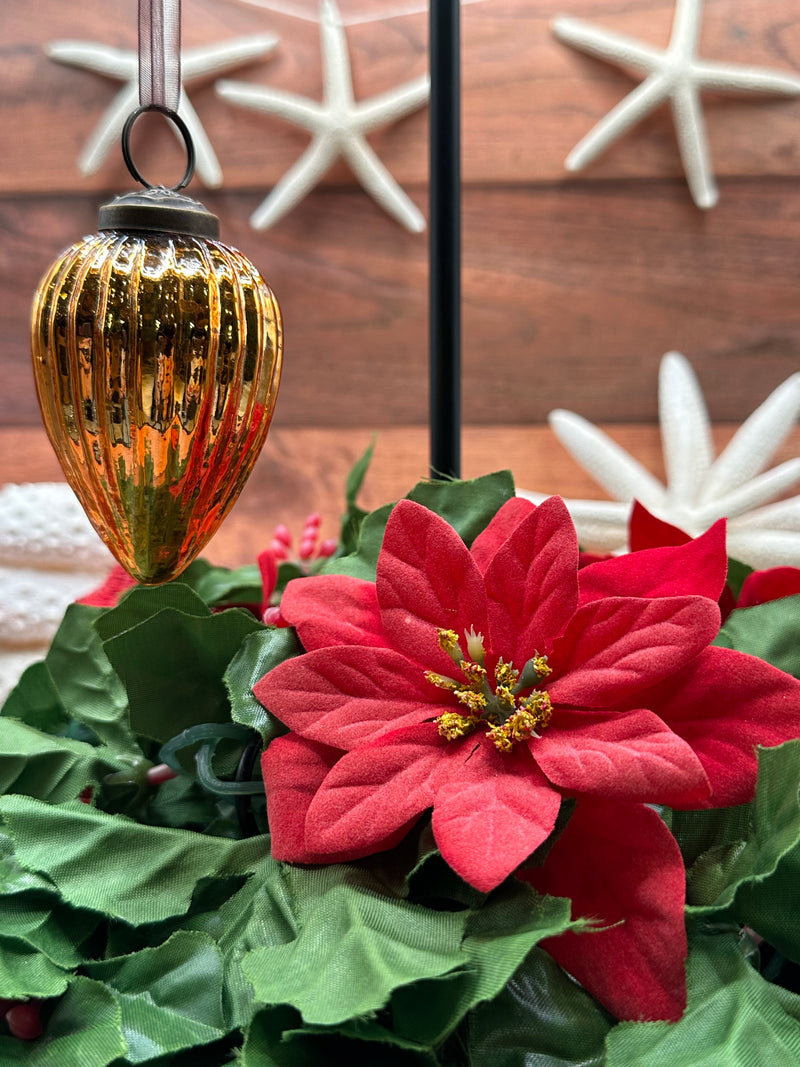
[{"x": 160, "y": 53}]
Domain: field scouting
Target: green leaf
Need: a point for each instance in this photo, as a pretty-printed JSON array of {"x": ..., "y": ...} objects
[
  {"x": 172, "y": 666},
  {"x": 698, "y": 831},
  {"x": 468, "y": 506},
  {"x": 498, "y": 935},
  {"x": 25, "y": 972},
  {"x": 277, "y": 1037},
  {"x": 259, "y": 653},
  {"x": 34, "y": 700},
  {"x": 355, "y": 945},
  {"x": 84, "y": 1029},
  {"x": 110, "y": 864},
  {"x": 770, "y": 631},
  {"x": 737, "y": 572},
  {"x": 734, "y": 1018},
  {"x": 50, "y": 768},
  {"x": 354, "y": 516},
  {"x": 143, "y": 602},
  {"x": 37, "y": 920},
  {"x": 218, "y": 585},
  {"x": 86, "y": 684},
  {"x": 773, "y": 841},
  {"x": 540, "y": 1017},
  {"x": 170, "y": 996}
]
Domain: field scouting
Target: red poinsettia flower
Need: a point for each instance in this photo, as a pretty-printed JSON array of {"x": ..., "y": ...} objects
[
  {"x": 771, "y": 584},
  {"x": 489, "y": 684}
]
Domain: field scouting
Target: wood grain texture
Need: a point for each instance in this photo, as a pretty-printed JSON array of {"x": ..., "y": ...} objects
[
  {"x": 571, "y": 297},
  {"x": 527, "y": 99},
  {"x": 303, "y": 470}
]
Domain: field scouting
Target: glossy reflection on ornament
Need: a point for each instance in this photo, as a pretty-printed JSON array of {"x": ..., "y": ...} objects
[{"x": 157, "y": 359}]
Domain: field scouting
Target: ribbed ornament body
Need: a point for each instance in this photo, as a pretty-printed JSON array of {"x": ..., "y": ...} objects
[{"x": 157, "y": 359}]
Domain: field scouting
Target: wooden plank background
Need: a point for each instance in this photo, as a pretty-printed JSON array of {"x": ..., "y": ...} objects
[{"x": 574, "y": 286}]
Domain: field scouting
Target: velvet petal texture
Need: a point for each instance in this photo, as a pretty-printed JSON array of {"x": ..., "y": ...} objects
[{"x": 620, "y": 864}]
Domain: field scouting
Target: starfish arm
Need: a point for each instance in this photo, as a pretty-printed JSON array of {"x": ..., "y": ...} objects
[
  {"x": 753, "y": 494},
  {"x": 108, "y": 130},
  {"x": 381, "y": 186},
  {"x": 685, "y": 429},
  {"x": 197, "y": 62},
  {"x": 337, "y": 77},
  {"x": 392, "y": 105},
  {"x": 725, "y": 78},
  {"x": 297, "y": 110},
  {"x": 605, "y": 44},
  {"x": 630, "y": 110},
  {"x": 764, "y": 547},
  {"x": 693, "y": 144},
  {"x": 610, "y": 465},
  {"x": 783, "y": 515},
  {"x": 208, "y": 166},
  {"x": 686, "y": 27},
  {"x": 99, "y": 58},
  {"x": 757, "y": 439},
  {"x": 296, "y": 183}
]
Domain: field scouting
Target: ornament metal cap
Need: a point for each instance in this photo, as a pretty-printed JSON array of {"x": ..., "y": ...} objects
[{"x": 160, "y": 210}]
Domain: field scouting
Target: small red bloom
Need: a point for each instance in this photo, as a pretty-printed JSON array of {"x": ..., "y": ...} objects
[{"x": 488, "y": 684}]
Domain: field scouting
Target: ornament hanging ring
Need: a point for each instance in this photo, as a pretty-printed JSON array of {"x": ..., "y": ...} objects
[{"x": 181, "y": 127}]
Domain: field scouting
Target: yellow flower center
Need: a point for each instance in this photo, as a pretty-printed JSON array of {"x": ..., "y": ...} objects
[{"x": 507, "y": 715}]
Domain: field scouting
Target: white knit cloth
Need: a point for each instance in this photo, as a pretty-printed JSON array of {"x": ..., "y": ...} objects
[{"x": 49, "y": 556}]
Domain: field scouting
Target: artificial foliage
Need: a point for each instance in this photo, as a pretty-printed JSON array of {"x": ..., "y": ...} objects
[{"x": 614, "y": 878}]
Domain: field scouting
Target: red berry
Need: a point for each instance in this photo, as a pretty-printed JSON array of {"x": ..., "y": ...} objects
[
  {"x": 24, "y": 1022},
  {"x": 282, "y": 534}
]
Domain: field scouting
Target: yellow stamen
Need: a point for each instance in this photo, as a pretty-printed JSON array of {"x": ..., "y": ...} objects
[
  {"x": 473, "y": 672},
  {"x": 448, "y": 641},
  {"x": 476, "y": 702},
  {"x": 441, "y": 681},
  {"x": 543, "y": 669},
  {"x": 505, "y": 674},
  {"x": 452, "y": 725}
]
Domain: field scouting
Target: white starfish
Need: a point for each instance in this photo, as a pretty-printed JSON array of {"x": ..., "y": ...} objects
[
  {"x": 123, "y": 65},
  {"x": 338, "y": 126},
  {"x": 676, "y": 74},
  {"x": 700, "y": 489}
]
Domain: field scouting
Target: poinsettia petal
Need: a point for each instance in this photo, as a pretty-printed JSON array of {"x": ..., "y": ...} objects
[
  {"x": 333, "y": 609},
  {"x": 293, "y": 770},
  {"x": 696, "y": 568},
  {"x": 488, "y": 821},
  {"x": 647, "y": 531},
  {"x": 617, "y": 646},
  {"x": 378, "y": 790},
  {"x": 724, "y": 704},
  {"x": 427, "y": 580},
  {"x": 499, "y": 530},
  {"x": 630, "y": 755},
  {"x": 619, "y": 863},
  {"x": 107, "y": 595},
  {"x": 532, "y": 583},
  {"x": 771, "y": 584},
  {"x": 346, "y": 696}
]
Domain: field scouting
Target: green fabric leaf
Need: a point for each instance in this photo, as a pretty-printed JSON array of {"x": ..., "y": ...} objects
[
  {"x": 734, "y": 1018},
  {"x": 25, "y": 972},
  {"x": 542, "y": 1016},
  {"x": 172, "y": 665},
  {"x": 110, "y": 864},
  {"x": 49, "y": 927},
  {"x": 217, "y": 586},
  {"x": 497, "y": 937},
  {"x": 169, "y": 996},
  {"x": 698, "y": 831},
  {"x": 354, "y": 516},
  {"x": 737, "y": 572},
  {"x": 86, "y": 684},
  {"x": 50, "y": 768},
  {"x": 142, "y": 602},
  {"x": 259, "y": 653},
  {"x": 713, "y": 882},
  {"x": 467, "y": 505},
  {"x": 277, "y": 1037},
  {"x": 770, "y": 631},
  {"x": 355, "y": 944},
  {"x": 84, "y": 1030},
  {"x": 34, "y": 700}
]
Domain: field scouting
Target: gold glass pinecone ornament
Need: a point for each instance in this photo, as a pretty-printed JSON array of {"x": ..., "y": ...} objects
[{"x": 157, "y": 357}]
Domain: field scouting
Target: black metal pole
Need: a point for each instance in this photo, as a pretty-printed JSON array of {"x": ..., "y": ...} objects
[{"x": 445, "y": 239}]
